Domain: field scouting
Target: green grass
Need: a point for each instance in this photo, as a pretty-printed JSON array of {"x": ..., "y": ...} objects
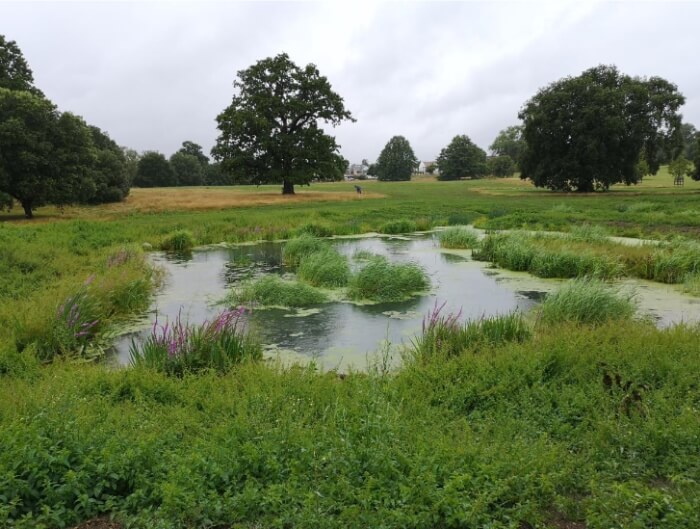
[
  {"x": 586, "y": 301},
  {"x": 179, "y": 241},
  {"x": 395, "y": 227},
  {"x": 380, "y": 280},
  {"x": 538, "y": 433},
  {"x": 458, "y": 238},
  {"x": 296, "y": 249},
  {"x": 273, "y": 291},
  {"x": 325, "y": 268}
]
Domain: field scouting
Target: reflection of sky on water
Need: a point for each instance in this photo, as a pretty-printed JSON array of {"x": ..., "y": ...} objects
[{"x": 194, "y": 284}]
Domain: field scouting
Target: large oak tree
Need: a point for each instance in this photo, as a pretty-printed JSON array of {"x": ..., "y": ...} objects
[
  {"x": 588, "y": 132},
  {"x": 270, "y": 132},
  {"x": 461, "y": 158}
]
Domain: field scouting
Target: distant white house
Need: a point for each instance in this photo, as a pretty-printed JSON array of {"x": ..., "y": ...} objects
[
  {"x": 424, "y": 167},
  {"x": 357, "y": 170}
]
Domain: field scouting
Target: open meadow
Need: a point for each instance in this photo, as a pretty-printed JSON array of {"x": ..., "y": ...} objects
[{"x": 577, "y": 415}]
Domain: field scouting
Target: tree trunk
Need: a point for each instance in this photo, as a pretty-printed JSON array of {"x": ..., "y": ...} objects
[
  {"x": 27, "y": 206},
  {"x": 287, "y": 187}
]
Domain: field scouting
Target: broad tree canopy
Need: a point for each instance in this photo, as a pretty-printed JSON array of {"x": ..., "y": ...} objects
[
  {"x": 588, "y": 132},
  {"x": 396, "y": 161},
  {"x": 461, "y": 158},
  {"x": 270, "y": 133},
  {"x": 15, "y": 73},
  {"x": 509, "y": 142}
]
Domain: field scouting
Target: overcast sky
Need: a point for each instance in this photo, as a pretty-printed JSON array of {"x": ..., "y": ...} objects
[{"x": 155, "y": 74}]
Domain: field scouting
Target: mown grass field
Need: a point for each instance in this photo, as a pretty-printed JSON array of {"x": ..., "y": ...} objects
[{"x": 575, "y": 426}]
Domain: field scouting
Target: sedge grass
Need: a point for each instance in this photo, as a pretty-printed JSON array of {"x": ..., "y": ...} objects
[
  {"x": 179, "y": 241},
  {"x": 326, "y": 268},
  {"x": 273, "y": 291},
  {"x": 380, "y": 280},
  {"x": 296, "y": 249},
  {"x": 587, "y": 301},
  {"x": 458, "y": 238}
]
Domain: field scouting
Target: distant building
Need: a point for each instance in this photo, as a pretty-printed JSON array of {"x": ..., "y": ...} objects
[
  {"x": 425, "y": 167},
  {"x": 356, "y": 170}
]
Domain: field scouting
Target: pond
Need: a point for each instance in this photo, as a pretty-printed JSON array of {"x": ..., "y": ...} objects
[
  {"x": 338, "y": 334},
  {"x": 345, "y": 334}
]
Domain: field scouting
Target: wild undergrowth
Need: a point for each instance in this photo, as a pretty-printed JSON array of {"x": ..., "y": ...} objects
[
  {"x": 325, "y": 268},
  {"x": 273, "y": 291},
  {"x": 458, "y": 238},
  {"x": 576, "y": 426},
  {"x": 296, "y": 249},
  {"x": 177, "y": 348},
  {"x": 381, "y": 280}
]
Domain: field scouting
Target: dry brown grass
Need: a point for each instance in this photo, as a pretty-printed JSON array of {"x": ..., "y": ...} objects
[{"x": 190, "y": 199}]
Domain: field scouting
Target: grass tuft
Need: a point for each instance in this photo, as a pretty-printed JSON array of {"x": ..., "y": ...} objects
[
  {"x": 587, "y": 301},
  {"x": 272, "y": 290},
  {"x": 380, "y": 280},
  {"x": 394, "y": 227},
  {"x": 296, "y": 249},
  {"x": 178, "y": 241},
  {"x": 326, "y": 268},
  {"x": 458, "y": 238}
]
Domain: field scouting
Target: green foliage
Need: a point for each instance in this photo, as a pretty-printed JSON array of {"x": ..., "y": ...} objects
[
  {"x": 443, "y": 336},
  {"x": 193, "y": 149},
  {"x": 154, "y": 171},
  {"x": 509, "y": 142},
  {"x": 179, "y": 348},
  {"x": 15, "y": 73},
  {"x": 586, "y": 301},
  {"x": 110, "y": 172},
  {"x": 458, "y": 237},
  {"x": 587, "y": 132},
  {"x": 588, "y": 233},
  {"x": 501, "y": 166},
  {"x": 397, "y": 161},
  {"x": 272, "y": 291},
  {"x": 315, "y": 229},
  {"x": 380, "y": 280},
  {"x": 297, "y": 249},
  {"x": 326, "y": 268},
  {"x": 673, "y": 263},
  {"x": 695, "y": 175},
  {"x": 270, "y": 133},
  {"x": 179, "y": 241},
  {"x": 460, "y": 159},
  {"x": 395, "y": 227},
  {"x": 680, "y": 167},
  {"x": 187, "y": 169},
  {"x": 690, "y": 140}
]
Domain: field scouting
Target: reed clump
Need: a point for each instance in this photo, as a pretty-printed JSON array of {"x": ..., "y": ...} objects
[
  {"x": 273, "y": 291},
  {"x": 325, "y": 268},
  {"x": 458, "y": 238},
  {"x": 381, "y": 280}
]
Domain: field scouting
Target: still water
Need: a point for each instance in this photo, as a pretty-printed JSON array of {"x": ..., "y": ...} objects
[{"x": 336, "y": 334}]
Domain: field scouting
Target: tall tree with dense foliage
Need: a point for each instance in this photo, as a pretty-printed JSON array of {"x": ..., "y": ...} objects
[
  {"x": 15, "y": 73},
  {"x": 270, "y": 133},
  {"x": 110, "y": 171},
  {"x": 696, "y": 160},
  {"x": 188, "y": 169},
  {"x": 501, "y": 166},
  {"x": 461, "y": 158},
  {"x": 28, "y": 124},
  {"x": 154, "y": 171},
  {"x": 194, "y": 149},
  {"x": 588, "y": 132},
  {"x": 397, "y": 161},
  {"x": 690, "y": 140},
  {"x": 509, "y": 142}
]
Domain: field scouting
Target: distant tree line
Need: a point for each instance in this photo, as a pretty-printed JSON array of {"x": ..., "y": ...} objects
[{"x": 48, "y": 156}]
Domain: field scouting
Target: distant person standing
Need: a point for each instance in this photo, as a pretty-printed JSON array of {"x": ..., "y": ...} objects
[{"x": 358, "y": 189}]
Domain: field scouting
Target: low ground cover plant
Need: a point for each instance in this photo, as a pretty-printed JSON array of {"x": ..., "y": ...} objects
[
  {"x": 296, "y": 249},
  {"x": 381, "y": 280},
  {"x": 458, "y": 238},
  {"x": 273, "y": 291},
  {"x": 178, "y": 348}
]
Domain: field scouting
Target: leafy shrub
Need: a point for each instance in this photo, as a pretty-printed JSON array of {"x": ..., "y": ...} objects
[
  {"x": 443, "y": 336},
  {"x": 296, "y": 249},
  {"x": 326, "y": 268},
  {"x": 179, "y": 241},
  {"x": 587, "y": 301},
  {"x": 380, "y": 280},
  {"x": 271, "y": 290},
  {"x": 394, "y": 227},
  {"x": 179, "y": 348},
  {"x": 458, "y": 238}
]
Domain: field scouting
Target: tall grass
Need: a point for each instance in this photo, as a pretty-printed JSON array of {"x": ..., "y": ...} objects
[
  {"x": 326, "y": 268},
  {"x": 458, "y": 238},
  {"x": 178, "y": 348},
  {"x": 380, "y": 280},
  {"x": 588, "y": 233},
  {"x": 394, "y": 227},
  {"x": 296, "y": 249},
  {"x": 179, "y": 241},
  {"x": 443, "y": 335},
  {"x": 271, "y": 290},
  {"x": 587, "y": 301}
]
